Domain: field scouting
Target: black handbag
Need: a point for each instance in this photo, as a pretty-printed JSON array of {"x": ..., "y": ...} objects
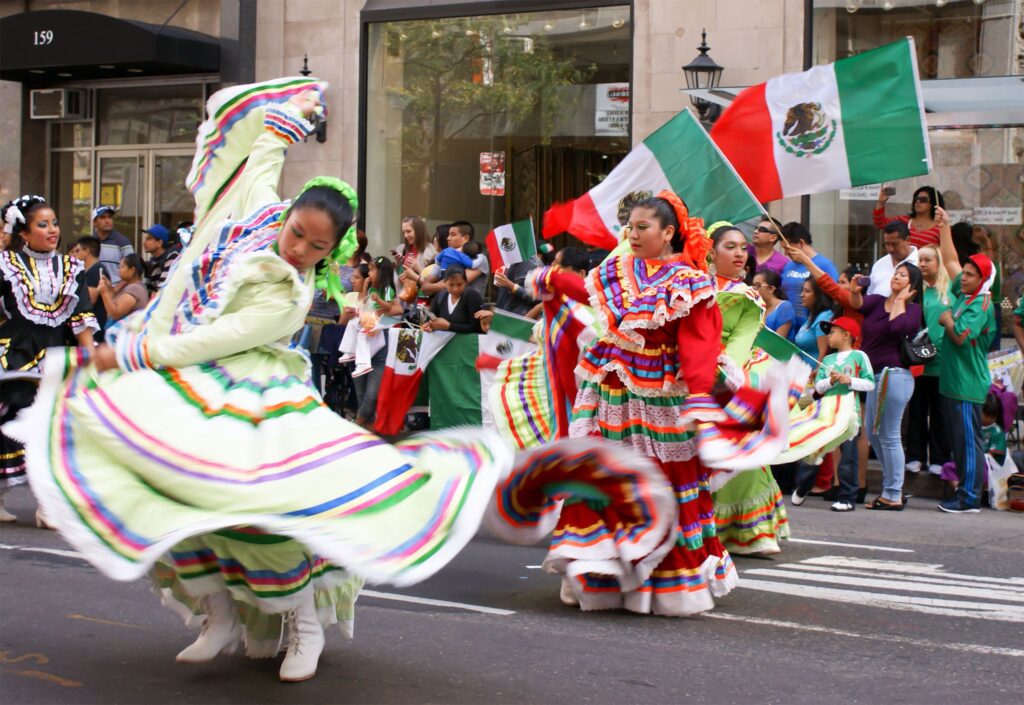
[{"x": 917, "y": 349}]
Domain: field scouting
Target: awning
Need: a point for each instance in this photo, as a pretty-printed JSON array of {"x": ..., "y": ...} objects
[
  {"x": 949, "y": 102},
  {"x": 62, "y": 45}
]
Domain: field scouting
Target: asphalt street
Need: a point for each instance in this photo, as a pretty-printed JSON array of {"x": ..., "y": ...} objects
[{"x": 869, "y": 607}]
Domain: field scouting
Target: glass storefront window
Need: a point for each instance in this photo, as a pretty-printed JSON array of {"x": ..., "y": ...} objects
[
  {"x": 71, "y": 192},
  {"x": 70, "y": 134},
  {"x": 491, "y": 119},
  {"x": 149, "y": 114},
  {"x": 959, "y": 39}
]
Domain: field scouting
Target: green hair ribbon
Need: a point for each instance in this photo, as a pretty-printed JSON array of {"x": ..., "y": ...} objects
[
  {"x": 717, "y": 225},
  {"x": 328, "y": 274}
]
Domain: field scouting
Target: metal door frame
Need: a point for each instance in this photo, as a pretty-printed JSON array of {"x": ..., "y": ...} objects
[{"x": 146, "y": 156}]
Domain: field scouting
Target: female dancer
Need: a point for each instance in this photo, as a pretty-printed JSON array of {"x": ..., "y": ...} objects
[
  {"x": 750, "y": 515},
  {"x": 646, "y": 385},
  {"x": 44, "y": 302},
  {"x": 268, "y": 510}
]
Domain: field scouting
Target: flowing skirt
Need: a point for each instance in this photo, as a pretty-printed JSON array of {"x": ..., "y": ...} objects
[{"x": 234, "y": 474}]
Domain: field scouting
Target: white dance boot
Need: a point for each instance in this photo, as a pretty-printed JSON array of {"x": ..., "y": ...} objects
[
  {"x": 222, "y": 632},
  {"x": 566, "y": 594},
  {"x": 5, "y": 516},
  {"x": 305, "y": 643}
]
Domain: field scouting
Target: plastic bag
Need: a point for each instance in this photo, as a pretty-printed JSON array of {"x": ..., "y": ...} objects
[{"x": 997, "y": 477}]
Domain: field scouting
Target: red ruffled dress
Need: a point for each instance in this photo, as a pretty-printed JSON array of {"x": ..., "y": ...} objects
[{"x": 630, "y": 534}]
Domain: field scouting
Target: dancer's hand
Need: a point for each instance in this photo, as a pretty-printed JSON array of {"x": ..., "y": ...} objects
[
  {"x": 104, "y": 358},
  {"x": 307, "y": 102}
]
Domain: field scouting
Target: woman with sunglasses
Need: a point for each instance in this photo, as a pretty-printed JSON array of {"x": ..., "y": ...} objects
[
  {"x": 921, "y": 220},
  {"x": 766, "y": 236}
]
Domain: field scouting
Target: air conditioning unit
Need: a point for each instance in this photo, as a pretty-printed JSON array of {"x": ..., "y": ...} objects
[{"x": 58, "y": 103}]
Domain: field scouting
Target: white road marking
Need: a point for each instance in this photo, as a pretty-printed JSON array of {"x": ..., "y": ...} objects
[
  {"x": 852, "y": 545},
  {"x": 969, "y": 648},
  {"x": 435, "y": 603},
  {"x": 934, "y": 569},
  {"x": 534, "y": 567},
  {"x": 908, "y": 603},
  {"x": 928, "y": 578},
  {"x": 906, "y": 584},
  {"x": 35, "y": 549}
]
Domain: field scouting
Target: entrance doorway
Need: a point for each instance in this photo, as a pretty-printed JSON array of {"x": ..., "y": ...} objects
[{"x": 146, "y": 186}]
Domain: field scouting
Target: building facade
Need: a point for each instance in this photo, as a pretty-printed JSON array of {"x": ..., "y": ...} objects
[{"x": 489, "y": 111}]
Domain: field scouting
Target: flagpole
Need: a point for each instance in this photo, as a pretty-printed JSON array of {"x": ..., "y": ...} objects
[{"x": 760, "y": 206}]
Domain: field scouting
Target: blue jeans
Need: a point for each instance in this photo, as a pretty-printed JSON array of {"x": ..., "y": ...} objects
[{"x": 887, "y": 443}]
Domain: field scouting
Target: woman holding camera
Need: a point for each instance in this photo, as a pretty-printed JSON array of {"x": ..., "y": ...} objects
[
  {"x": 924, "y": 229},
  {"x": 887, "y": 321}
]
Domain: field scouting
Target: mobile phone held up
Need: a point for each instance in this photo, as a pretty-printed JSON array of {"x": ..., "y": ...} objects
[
  {"x": 889, "y": 190},
  {"x": 863, "y": 282}
]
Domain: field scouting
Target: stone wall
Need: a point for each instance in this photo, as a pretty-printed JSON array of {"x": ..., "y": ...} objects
[
  {"x": 753, "y": 39},
  {"x": 328, "y": 32}
]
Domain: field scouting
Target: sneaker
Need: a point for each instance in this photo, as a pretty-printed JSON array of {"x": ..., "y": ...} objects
[
  {"x": 797, "y": 499},
  {"x": 935, "y": 470},
  {"x": 913, "y": 466},
  {"x": 842, "y": 506},
  {"x": 957, "y": 506}
]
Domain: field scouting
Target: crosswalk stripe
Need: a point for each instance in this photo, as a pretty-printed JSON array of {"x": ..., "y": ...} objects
[
  {"x": 934, "y": 569},
  {"x": 908, "y": 603},
  {"x": 905, "y": 585},
  {"x": 931, "y": 579},
  {"x": 908, "y": 586}
]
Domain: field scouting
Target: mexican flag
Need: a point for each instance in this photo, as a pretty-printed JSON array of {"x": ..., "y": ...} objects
[
  {"x": 410, "y": 352},
  {"x": 510, "y": 336},
  {"x": 855, "y": 122},
  {"x": 678, "y": 156},
  {"x": 511, "y": 243}
]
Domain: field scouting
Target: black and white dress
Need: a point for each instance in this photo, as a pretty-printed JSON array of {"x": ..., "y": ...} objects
[{"x": 44, "y": 303}]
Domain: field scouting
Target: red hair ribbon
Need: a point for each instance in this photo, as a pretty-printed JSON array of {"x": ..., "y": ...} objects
[{"x": 696, "y": 243}]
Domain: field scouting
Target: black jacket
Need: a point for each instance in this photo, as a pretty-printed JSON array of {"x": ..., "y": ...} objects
[{"x": 462, "y": 318}]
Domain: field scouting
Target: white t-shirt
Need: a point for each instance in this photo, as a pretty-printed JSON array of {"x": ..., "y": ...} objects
[
  {"x": 480, "y": 263},
  {"x": 881, "y": 273}
]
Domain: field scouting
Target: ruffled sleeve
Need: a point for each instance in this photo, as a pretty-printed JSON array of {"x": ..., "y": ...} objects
[
  {"x": 699, "y": 339},
  {"x": 547, "y": 283},
  {"x": 260, "y": 314}
]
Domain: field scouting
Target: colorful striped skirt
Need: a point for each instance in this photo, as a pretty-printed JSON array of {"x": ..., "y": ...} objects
[
  {"x": 630, "y": 506},
  {"x": 233, "y": 474}
]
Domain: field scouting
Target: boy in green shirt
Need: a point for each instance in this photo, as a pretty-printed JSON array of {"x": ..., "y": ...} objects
[
  {"x": 992, "y": 433},
  {"x": 964, "y": 377},
  {"x": 847, "y": 371}
]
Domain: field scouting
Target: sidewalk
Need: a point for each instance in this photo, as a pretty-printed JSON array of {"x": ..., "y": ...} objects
[{"x": 922, "y": 484}]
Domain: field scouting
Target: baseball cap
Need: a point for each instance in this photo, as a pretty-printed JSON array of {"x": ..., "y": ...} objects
[
  {"x": 845, "y": 323},
  {"x": 102, "y": 210},
  {"x": 158, "y": 231}
]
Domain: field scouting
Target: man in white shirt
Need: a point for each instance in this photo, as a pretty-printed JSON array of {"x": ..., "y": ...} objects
[{"x": 896, "y": 240}]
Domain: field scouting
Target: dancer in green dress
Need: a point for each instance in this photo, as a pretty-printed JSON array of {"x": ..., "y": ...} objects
[
  {"x": 197, "y": 445},
  {"x": 750, "y": 515}
]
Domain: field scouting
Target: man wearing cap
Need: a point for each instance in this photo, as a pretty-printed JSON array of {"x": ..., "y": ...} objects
[
  {"x": 964, "y": 377},
  {"x": 161, "y": 256},
  {"x": 113, "y": 245}
]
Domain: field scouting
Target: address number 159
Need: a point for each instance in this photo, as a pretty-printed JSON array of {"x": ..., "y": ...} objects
[{"x": 42, "y": 38}]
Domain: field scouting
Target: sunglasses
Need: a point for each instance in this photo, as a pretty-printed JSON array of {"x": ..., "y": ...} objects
[
  {"x": 922, "y": 199},
  {"x": 762, "y": 229}
]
